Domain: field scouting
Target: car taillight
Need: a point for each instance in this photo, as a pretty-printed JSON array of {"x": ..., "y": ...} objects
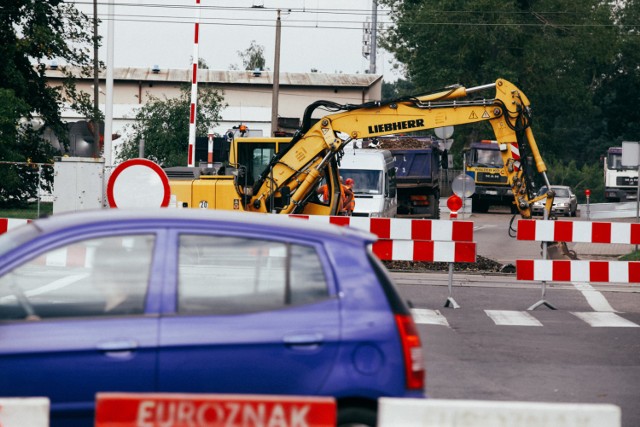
[
  {"x": 412, "y": 349},
  {"x": 419, "y": 200}
]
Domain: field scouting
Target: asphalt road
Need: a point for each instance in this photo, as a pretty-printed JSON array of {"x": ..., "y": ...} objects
[{"x": 494, "y": 348}]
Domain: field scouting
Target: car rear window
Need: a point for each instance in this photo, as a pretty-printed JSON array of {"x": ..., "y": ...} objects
[{"x": 230, "y": 275}]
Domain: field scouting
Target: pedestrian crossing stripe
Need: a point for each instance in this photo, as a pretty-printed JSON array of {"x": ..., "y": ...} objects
[
  {"x": 594, "y": 319},
  {"x": 424, "y": 316},
  {"x": 605, "y": 320},
  {"x": 512, "y": 318}
]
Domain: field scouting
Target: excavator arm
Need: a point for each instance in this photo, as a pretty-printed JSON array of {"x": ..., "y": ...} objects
[{"x": 294, "y": 174}]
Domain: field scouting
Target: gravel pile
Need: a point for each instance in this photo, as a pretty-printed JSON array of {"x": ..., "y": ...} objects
[
  {"x": 403, "y": 143},
  {"x": 482, "y": 264}
]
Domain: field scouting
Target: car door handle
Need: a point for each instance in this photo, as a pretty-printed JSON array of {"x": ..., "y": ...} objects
[
  {"x": 306, "y": 341},
  {"x": 118, "y": 348}
]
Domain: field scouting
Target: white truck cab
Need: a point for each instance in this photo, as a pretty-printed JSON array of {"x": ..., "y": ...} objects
[{"x": 374, "y": 175}]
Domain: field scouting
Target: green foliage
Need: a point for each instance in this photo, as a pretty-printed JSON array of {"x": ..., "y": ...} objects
[
  {"x": 576, "y": 62},
  {"x": 31, "y": 35},
  {"x": 633, "y": 256},
  {"x": 397, "y": 89},
  {"x": 253, "y": 57},
  {"x": 579, "y": 179},
  {"x": 163, "y": 124}
]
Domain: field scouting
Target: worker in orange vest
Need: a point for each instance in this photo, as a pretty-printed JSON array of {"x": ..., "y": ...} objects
[{"x": 349, "y": 200}]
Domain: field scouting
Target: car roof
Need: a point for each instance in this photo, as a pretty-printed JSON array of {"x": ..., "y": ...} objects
[
  {"x": 86, "y": 217},
  {"x": 557, "y": 186}
]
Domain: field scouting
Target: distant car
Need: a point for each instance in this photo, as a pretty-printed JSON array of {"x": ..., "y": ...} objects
[
  {"x": 200, "y": 301},
  {"x": 565, "y": 201}
]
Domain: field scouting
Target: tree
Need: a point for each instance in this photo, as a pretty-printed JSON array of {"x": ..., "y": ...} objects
[
  {"x": 253, "y": 57},
  {"x": 163, "y": 124},
  {"x": 397, "y": 89},
  {"x": 557, "y": 51},
  {"x": 31, "y": 35}
]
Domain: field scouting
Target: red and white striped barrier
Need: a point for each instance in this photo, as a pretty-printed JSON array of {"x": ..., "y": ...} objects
[
  {"x": 424, "y": 250},
  {"x": 7, "y": 224},
  {"x": 402, "y": 228},
  {"x": 215, "y": 410},
  {"x": 578, "y": 271},
  {"x": 579, "y": 231}
]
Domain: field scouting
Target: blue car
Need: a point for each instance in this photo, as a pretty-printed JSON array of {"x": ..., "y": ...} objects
[{"x": 200, "y": 301}]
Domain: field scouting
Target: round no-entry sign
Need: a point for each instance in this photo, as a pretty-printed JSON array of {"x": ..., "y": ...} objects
[{"x": 138, "y": 183}]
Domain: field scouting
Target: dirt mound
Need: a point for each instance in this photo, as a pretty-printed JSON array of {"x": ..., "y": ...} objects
[
  {"x": 402, "y": 143},
  {"x": 482, "y": 264}
]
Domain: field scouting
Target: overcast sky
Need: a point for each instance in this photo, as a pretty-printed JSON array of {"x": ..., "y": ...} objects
[{"x": 325, "y": 35}]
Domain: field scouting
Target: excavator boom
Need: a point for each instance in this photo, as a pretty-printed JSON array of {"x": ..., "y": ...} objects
[{"x": 312, "y": 155}]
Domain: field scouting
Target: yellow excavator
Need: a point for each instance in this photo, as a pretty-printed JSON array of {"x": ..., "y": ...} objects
[{"x": 288, "y": 184}]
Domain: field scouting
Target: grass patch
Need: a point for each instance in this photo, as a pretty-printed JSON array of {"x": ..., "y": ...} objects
[
  {"x": 633, "y": 256},
  {"x": 29, "y": 212}
]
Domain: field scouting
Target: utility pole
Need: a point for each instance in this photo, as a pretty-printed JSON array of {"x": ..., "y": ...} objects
[
  {"x": 96, "y": 84},
  {"x": 276, "y": 79},
  {"x": 374, "y": 35},
  {"x": 108, "y": 103}
]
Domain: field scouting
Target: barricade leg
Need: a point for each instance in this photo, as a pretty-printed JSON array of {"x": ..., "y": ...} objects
[
  {"x": 544, "y": 284},
  {"x": 450, "y": 301}
]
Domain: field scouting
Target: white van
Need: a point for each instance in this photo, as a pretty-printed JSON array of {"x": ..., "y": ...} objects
[{"x": 374, "y": 175}]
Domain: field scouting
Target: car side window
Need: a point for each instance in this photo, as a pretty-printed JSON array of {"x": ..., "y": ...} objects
[
  {"x": 231, "y": 275},
  {"x": 96, "y": 277}
]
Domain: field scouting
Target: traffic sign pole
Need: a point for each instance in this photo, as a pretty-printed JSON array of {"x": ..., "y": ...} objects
[{"x": 454, "y": 203}]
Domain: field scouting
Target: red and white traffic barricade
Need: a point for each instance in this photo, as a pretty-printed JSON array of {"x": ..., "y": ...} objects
[
  {"x": 577, "y": 270},
  {"x": 7, "y": 224},
  {"x": 402, "y": 228},
  {"x": 212, "y": 410},
  {"x": 579, "y": 231},
  {"x": 421, "y": 240},
  {"x": 425, "y": 251}
]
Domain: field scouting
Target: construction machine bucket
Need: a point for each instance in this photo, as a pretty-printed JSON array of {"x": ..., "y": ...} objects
[{"x": 560, "y": 250}]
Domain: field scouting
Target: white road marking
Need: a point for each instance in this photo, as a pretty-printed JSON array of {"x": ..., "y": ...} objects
[
  {"x": 596, "y": 300},
  {"x": 428, "y": 317},
  {"x": 605, "y": 320},
  {"x": 512, "y": 318}
]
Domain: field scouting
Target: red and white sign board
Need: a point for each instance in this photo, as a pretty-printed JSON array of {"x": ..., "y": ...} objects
[
  {"x": 138, "y": 183},
  {"x": 212, "y": 410}
]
